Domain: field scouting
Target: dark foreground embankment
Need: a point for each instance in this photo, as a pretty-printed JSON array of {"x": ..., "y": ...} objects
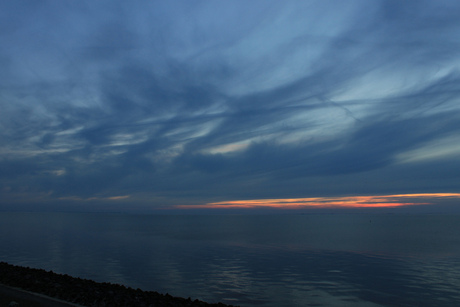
[{"x": 86, "y": 292}]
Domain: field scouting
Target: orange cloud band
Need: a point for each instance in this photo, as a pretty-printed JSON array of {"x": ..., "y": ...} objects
[{"x": 395, "y": 200}]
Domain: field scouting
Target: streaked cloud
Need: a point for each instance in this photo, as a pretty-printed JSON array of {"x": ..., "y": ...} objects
[
  {"x": 198, "y": 102},
  {"x": 375, "y": 201},
  {"x": 75, "y": 198}
]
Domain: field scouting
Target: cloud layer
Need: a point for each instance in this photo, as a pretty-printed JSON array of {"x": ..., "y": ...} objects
[{"x": 198, "y": 101}]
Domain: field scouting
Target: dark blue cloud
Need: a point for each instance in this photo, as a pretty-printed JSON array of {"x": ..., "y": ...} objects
[{"x": 197, "y": 101}]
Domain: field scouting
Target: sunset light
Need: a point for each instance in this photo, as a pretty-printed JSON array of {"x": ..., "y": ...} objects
[
  {"x": 375, "y": 201},
  {"x": 235, "y": 153}
]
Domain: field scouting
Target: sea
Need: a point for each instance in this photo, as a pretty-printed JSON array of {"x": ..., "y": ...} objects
[{"x": 250, "y": 260}]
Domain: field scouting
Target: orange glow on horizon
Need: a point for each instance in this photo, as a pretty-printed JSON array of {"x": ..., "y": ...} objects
[{"x": 377, "y": 201}]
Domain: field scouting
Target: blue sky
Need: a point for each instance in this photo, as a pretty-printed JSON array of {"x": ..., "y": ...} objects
[{"x": 156, "y": 104}]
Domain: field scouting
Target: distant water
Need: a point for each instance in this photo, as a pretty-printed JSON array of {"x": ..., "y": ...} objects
[{"x": 250, "y": 260}]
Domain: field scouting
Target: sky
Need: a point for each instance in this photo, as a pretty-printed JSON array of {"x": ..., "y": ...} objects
[{"x": 189, "y": 105}]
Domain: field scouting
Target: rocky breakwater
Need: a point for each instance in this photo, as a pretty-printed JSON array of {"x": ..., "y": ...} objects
[{"x": 87, "y": 292}]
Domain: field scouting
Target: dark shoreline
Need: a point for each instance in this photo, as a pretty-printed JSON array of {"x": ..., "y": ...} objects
[{"x": 84, "y": 292}]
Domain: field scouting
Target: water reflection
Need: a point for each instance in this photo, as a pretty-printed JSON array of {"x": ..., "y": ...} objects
[{"x": 250, "y": 260}]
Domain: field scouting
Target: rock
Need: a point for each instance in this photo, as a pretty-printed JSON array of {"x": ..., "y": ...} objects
[{"x": 86, "y": 292}]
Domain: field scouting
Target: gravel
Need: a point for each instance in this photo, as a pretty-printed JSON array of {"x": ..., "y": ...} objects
[{"x": 85, "y": 292}]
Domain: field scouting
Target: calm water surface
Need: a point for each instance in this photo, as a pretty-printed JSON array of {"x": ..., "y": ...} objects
[{"x": 247, "y": 260}]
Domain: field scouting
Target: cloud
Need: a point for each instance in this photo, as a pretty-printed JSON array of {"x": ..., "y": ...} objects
[
  {"x": 377, "y": 201},
  {"x": 195, "y": 102}
]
